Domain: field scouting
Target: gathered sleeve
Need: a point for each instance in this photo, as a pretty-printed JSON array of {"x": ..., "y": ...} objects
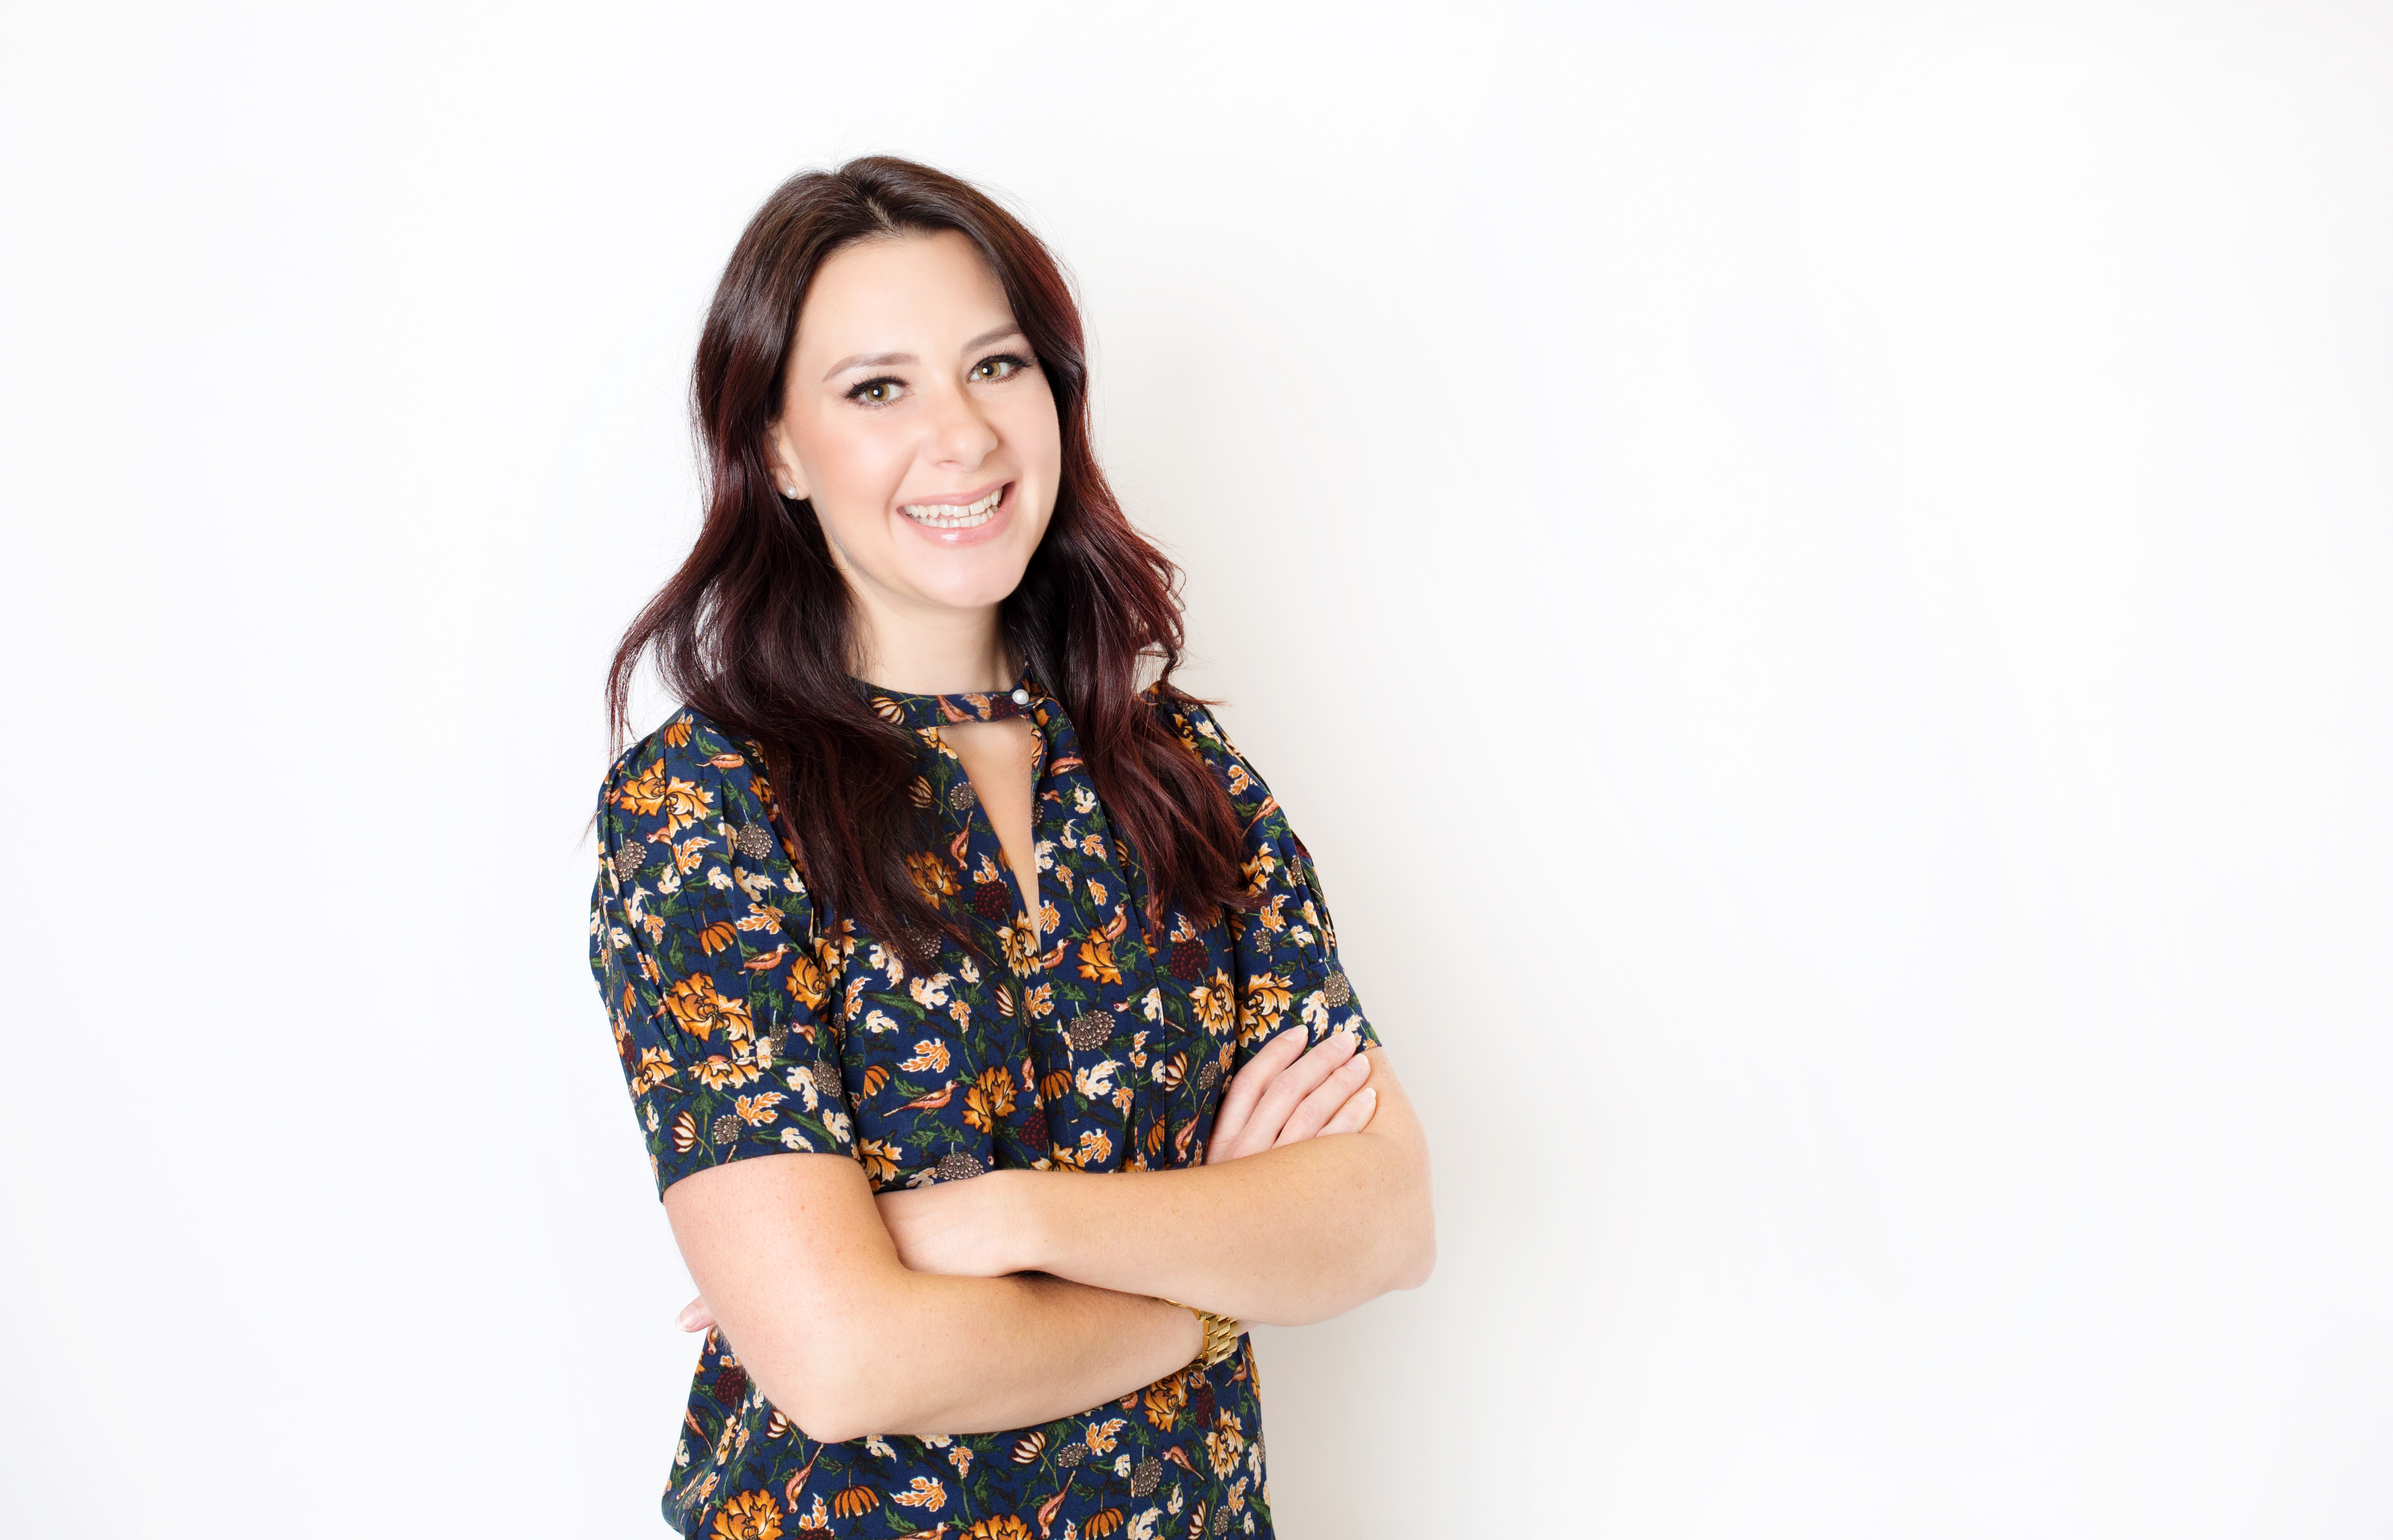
[
  {"x": 702, "y": 943},
  {"x": 1285, "y": 962}
]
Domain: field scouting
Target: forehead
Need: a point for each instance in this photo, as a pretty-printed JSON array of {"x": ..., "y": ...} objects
[{"x": 902, "y": 292}]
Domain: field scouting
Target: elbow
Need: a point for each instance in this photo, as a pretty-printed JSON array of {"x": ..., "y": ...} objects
[
  {"x": 828, "y": 1426},
  {"x": 827, "y": 1383},
  {"x": 1418, "y": 1261},
  {"x": 1416, "y": 1252},
  {"x": 815, "y": 1408},
  {"x": 825, "y": 1407},
  {"x": 1413, "y": 1233}
]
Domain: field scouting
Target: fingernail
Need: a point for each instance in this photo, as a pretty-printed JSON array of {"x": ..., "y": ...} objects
[{"x": 688, "y": 1318}]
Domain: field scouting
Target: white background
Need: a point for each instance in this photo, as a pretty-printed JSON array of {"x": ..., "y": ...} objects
[{"x": 1816, "y": 578}]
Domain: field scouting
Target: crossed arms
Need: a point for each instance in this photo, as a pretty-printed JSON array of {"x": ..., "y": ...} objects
[{"x": 1021, "y": 1296}]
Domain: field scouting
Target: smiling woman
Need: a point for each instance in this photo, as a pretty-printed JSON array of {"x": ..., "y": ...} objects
[{"x": 976, "y": 1004}]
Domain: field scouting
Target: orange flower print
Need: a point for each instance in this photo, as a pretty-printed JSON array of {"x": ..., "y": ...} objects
[
  {"x": 1003, "y": 1526},
  {"x": 1215, "y": 1006},
  {"x": 931, "y": 874},
  {"x": 1021, "y": 948},
  {"x": 1097, "y": 960},
  {"x": 643, "y": 793},
  {"x": 748, "y": 1516},
  {"x": 1040, "y": 999},
  {"x": 1165, "y": 1400},
  {"x": 683, "y": 805},
  {"x": 698, "y": 1009},
  {"x": 930, "y": 1055},
  {"x": 806, "y": 983},
  {"x": 677, "y": 734},
  {"x": 655, "y": 1069},
  {"x": 1223, "y": 1445},
  {"x": 990, "y": 1097},
  {"x": 1267, "y": 1001},
  {"x": 878, "y": 1159},
  {"x": 717, "y": 1073}
]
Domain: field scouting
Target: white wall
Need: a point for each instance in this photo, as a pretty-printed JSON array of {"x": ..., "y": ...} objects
[{"x": 1817, "y": 578}]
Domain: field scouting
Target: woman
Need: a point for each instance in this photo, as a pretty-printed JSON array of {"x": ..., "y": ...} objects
[{"x": 976, "y": 1004}]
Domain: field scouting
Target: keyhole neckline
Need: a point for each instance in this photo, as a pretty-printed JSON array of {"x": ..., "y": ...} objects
[{"x": 933, "y": 711}]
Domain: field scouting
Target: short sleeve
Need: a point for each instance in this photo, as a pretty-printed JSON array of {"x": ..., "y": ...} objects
[
  {"x": 1286, "y": 957},
  {"x": 701, "y": 941}
]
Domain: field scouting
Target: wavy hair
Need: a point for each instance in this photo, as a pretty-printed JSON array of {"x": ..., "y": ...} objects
[{"x": 757, "y": 628}]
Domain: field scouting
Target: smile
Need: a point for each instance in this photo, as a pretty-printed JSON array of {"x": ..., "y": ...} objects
[{"x": 956, "y": 516}]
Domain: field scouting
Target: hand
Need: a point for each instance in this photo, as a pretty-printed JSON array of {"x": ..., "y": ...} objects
[
  {"x": 961, "y": 1228},
  {"x": 1286, "y": 1095}
]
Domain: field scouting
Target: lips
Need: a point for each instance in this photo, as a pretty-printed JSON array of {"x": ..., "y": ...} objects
[{"x": 957, "y": 515}]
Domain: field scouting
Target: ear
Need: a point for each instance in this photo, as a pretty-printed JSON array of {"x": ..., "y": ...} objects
[{"x": 786, "y": 473}]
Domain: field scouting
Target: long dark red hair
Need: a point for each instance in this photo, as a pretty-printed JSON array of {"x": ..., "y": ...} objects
[{"x": 757, "y": 628}]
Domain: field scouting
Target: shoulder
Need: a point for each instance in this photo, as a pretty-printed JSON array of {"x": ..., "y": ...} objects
[
  {"x": 1193, "y": 722},
  {"x": 688, "y": 777},
  {"x": 1189, "y": 718},
  {"x": 684, "y": 768}
]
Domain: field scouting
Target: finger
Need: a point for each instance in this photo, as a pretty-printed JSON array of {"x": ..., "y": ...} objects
[
  {"x": 1356, "y": 1116},
  {"x": 1322, "y": 1105},
  {"x": 1246, "y": 1088},
  {"x": 695, "y": 1316},
  {"x": 1293, "y": 1084}
]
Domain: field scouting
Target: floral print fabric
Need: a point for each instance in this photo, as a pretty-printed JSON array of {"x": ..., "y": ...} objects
[{"x": 751, "y": 1021}]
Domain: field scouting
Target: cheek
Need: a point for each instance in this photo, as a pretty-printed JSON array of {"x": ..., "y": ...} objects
[
  {"x": 1036, "y": 436},
  {"x": 855, "y": 471}
]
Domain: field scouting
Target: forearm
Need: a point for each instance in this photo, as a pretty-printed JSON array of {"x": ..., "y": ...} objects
[
  {"x": 806, "y": 1288},
  {"x": 970, "y": 1355},
  {"x": 1287, "y": 1236}
]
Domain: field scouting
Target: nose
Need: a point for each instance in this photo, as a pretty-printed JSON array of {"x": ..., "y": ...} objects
[{"x": 960, "y": 436}]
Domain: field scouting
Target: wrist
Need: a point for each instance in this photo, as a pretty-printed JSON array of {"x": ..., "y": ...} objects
[
  {"x": 1034, "y": 1217},
  {"x": 1217, "y": 1334},
  {"x": 1192, "y": 1339}
]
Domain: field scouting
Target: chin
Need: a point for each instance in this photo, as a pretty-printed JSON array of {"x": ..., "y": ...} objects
[{"x": 969, "y": 591}]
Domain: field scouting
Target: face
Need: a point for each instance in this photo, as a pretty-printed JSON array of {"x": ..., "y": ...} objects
[{"x": 916, "y": 422}]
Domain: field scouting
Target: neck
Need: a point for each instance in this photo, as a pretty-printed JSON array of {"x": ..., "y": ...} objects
[{"x": 950, "y": 652}]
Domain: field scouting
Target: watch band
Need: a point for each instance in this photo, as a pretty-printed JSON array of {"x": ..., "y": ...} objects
[{"x": 1222, "y": 1334}]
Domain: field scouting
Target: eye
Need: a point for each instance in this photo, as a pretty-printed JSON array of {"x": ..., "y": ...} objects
[
  {"x": 876, "y": 392},
  {"x": 1000, "y": 366}
]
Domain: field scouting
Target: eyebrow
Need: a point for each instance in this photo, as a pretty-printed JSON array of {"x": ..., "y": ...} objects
[{"x": 876, "y": 361}]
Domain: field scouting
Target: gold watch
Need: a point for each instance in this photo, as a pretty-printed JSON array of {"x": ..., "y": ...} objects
[{"x": 1221, "y": 1335}]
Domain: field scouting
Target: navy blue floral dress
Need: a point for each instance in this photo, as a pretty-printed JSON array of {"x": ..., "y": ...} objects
[{"x": 750, "y": 1021}]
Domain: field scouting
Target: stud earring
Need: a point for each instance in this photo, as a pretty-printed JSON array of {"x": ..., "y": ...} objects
[{"x": 790, "y": 492}]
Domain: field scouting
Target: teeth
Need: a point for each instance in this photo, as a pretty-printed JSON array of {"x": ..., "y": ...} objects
[{"x": 950, "y": 516}]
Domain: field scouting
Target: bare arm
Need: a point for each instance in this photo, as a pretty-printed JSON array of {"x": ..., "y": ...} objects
[
  {"x": 791, "y": 1254},
  {"x": 1297, "y": 1232}
]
